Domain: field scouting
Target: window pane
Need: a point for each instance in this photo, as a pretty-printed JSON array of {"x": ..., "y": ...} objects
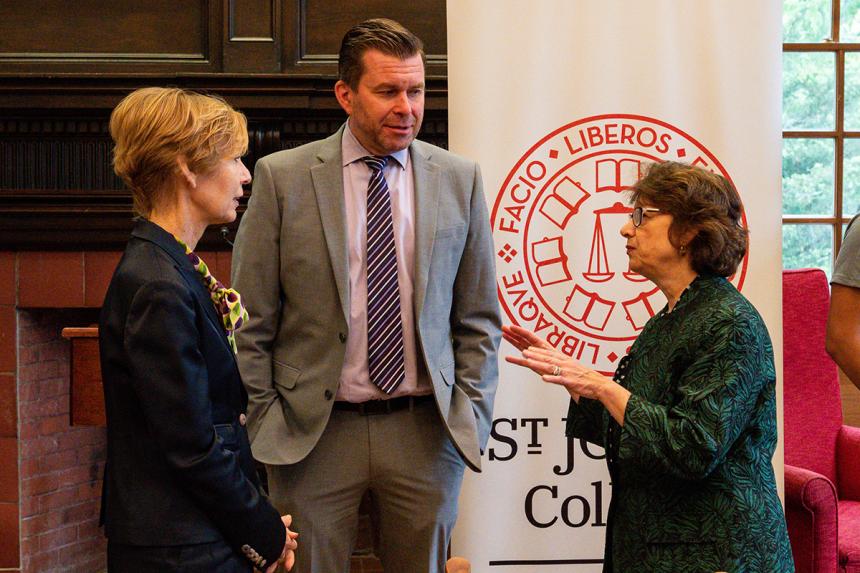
[
  {"x": 805, "y": 246},
  {"x": 808, "y": 90},
  {"x": 852, "y": 91},
  {"x": 851, "y": 178},
  {"x": 807, "y": 176},
  {"x": 849, "y": 25},
  {"x": 805, "y": 20}
]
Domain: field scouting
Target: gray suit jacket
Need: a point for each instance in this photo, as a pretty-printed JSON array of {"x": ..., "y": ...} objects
[{"x": 290, "y": 264}]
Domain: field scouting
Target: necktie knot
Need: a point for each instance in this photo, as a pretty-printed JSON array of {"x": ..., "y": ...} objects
[{"x": 376, "y": 162}]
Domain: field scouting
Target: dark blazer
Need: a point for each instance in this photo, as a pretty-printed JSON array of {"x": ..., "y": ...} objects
[{"x": 179, "y": 469}]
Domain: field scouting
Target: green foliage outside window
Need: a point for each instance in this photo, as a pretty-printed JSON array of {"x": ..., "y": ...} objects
[
  {"x": 809, "y": 105},
  {"x": 805, "y": 246},
  {"x": 808, "y": 91},
  {"x": 807, "y": 176},
  {"x": 849, "y": 25},
  {"x": 805, "y": 20}
]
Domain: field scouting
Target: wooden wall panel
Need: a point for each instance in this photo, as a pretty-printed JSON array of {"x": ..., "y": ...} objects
[
  {"x": 93, "y": 35},
  {"x": 252, "y": 36},
  {"x": 252, "y": 20},
  {"x": 319, "y": 26}
]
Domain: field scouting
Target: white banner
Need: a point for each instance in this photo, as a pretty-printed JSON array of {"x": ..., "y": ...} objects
[{"x": 561, "y": 102}]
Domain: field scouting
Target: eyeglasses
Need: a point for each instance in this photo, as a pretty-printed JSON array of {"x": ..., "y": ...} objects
[{"x": 638, "y": 214}]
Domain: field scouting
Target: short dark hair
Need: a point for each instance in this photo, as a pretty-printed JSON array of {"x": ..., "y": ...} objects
[
  {"x": 387, "y": 36},
  {"x": 701, "y": 200}
]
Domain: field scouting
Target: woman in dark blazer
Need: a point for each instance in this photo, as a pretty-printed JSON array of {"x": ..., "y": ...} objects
[
  {"x": 180, "y": 491},
  {"x": 689, "y": 419}
]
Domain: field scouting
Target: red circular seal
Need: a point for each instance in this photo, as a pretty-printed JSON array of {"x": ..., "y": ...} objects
[{"x": 562, "y": 267}]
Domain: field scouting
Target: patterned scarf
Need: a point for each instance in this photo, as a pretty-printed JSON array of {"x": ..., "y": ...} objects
[{"x": 227, "y": 301}]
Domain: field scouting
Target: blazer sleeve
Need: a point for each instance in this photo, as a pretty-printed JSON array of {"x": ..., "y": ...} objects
[
  {"x": 256, "y": 275},
  {"x": 169, "y": 378},
  {"x": 717, "y": 396},
  {"x": 475, "y": 319}
]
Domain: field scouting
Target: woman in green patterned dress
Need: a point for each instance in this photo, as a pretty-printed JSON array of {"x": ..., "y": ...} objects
[{"x": 688, "y": 421}]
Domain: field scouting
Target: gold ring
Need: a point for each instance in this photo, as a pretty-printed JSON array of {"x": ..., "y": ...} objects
[{"x": 556, "y": 370}]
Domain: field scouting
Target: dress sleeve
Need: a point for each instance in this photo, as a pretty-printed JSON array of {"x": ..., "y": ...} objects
[
  {"x": 716, "y": 397},
  {"x": 585, "y": 421}
]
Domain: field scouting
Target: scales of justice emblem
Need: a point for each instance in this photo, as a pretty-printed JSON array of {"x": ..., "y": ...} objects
[{"x": 561, "y": 264}]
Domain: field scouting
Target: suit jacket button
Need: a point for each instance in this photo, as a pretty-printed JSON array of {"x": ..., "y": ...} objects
[
  {"x": 243, "y": 419},
  {"x": 328, "y": 394},
  {"x": 342, "y": 337}
]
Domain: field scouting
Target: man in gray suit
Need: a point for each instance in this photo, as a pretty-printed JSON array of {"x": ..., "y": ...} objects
[{"x": 366, "y": 262}]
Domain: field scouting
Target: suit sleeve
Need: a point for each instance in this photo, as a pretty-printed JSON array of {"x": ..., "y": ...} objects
[
  {"x": 475, "y": 318},
  {"x": 256, "y": 275},
  {"x": 169, "y": 377},
  {"x": 718, "y": 394}
]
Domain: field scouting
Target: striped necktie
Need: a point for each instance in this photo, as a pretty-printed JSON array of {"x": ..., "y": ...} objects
[{"x": 384, "y": 327}]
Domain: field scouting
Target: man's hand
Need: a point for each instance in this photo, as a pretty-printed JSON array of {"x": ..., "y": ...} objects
[{"x": 289, "y": 557}]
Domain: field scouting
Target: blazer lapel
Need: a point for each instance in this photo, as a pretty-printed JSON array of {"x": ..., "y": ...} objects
[
  {"x": 328, "y": 186},
  {"x": 202, "y": 294},
  {"x": 427, "y": 192},
  {"x": 155, "y": 234}
]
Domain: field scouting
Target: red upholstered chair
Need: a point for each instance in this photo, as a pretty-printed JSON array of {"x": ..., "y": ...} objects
[{"x": 822, "y": 456}]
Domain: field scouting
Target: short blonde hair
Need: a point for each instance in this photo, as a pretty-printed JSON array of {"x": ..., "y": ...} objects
[{"x": 153, "y": 127}]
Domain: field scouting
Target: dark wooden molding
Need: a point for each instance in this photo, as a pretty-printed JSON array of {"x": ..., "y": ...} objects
[
  {"x": 58, "y": 191},
  {"x": 33, "y": 92}
]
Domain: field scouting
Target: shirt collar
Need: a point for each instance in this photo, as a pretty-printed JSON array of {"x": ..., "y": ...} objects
[{"x": 353, "y": 151}]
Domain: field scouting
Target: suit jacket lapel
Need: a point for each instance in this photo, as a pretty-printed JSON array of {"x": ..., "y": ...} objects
[
  {"x": 328, "y": 185},
  {"x": 427, "y": 192}
]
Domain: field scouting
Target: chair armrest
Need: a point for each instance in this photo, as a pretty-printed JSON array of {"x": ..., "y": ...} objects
[
  {"x": 811, "y": 514},
  {"x": 848, "y": 463}
]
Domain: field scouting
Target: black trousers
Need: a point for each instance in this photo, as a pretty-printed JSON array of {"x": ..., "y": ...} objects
[{"x": 215, "y": 557}]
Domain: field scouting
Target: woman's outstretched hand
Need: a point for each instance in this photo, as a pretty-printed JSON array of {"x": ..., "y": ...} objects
[
  {"x": 522, "y": 338},
  {"x": 555, "y": 367}
]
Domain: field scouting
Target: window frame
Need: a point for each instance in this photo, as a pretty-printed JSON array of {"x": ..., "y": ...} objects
[{"x": 832, "y": 45}]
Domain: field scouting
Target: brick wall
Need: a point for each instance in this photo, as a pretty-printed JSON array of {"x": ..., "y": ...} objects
[{"x": 61, "y": 466}]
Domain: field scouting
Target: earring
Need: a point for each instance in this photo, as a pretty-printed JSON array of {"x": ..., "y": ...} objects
[{"x": 682, "y": 249}]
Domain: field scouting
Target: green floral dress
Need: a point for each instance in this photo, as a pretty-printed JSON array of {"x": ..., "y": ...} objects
[{"x": 693, "y": 488}]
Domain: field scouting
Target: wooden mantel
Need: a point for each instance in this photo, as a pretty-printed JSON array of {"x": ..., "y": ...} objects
[{"x": 87, "y": 407}]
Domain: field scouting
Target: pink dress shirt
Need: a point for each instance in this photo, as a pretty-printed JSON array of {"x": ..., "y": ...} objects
[{"x": 355, "y": 384}]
